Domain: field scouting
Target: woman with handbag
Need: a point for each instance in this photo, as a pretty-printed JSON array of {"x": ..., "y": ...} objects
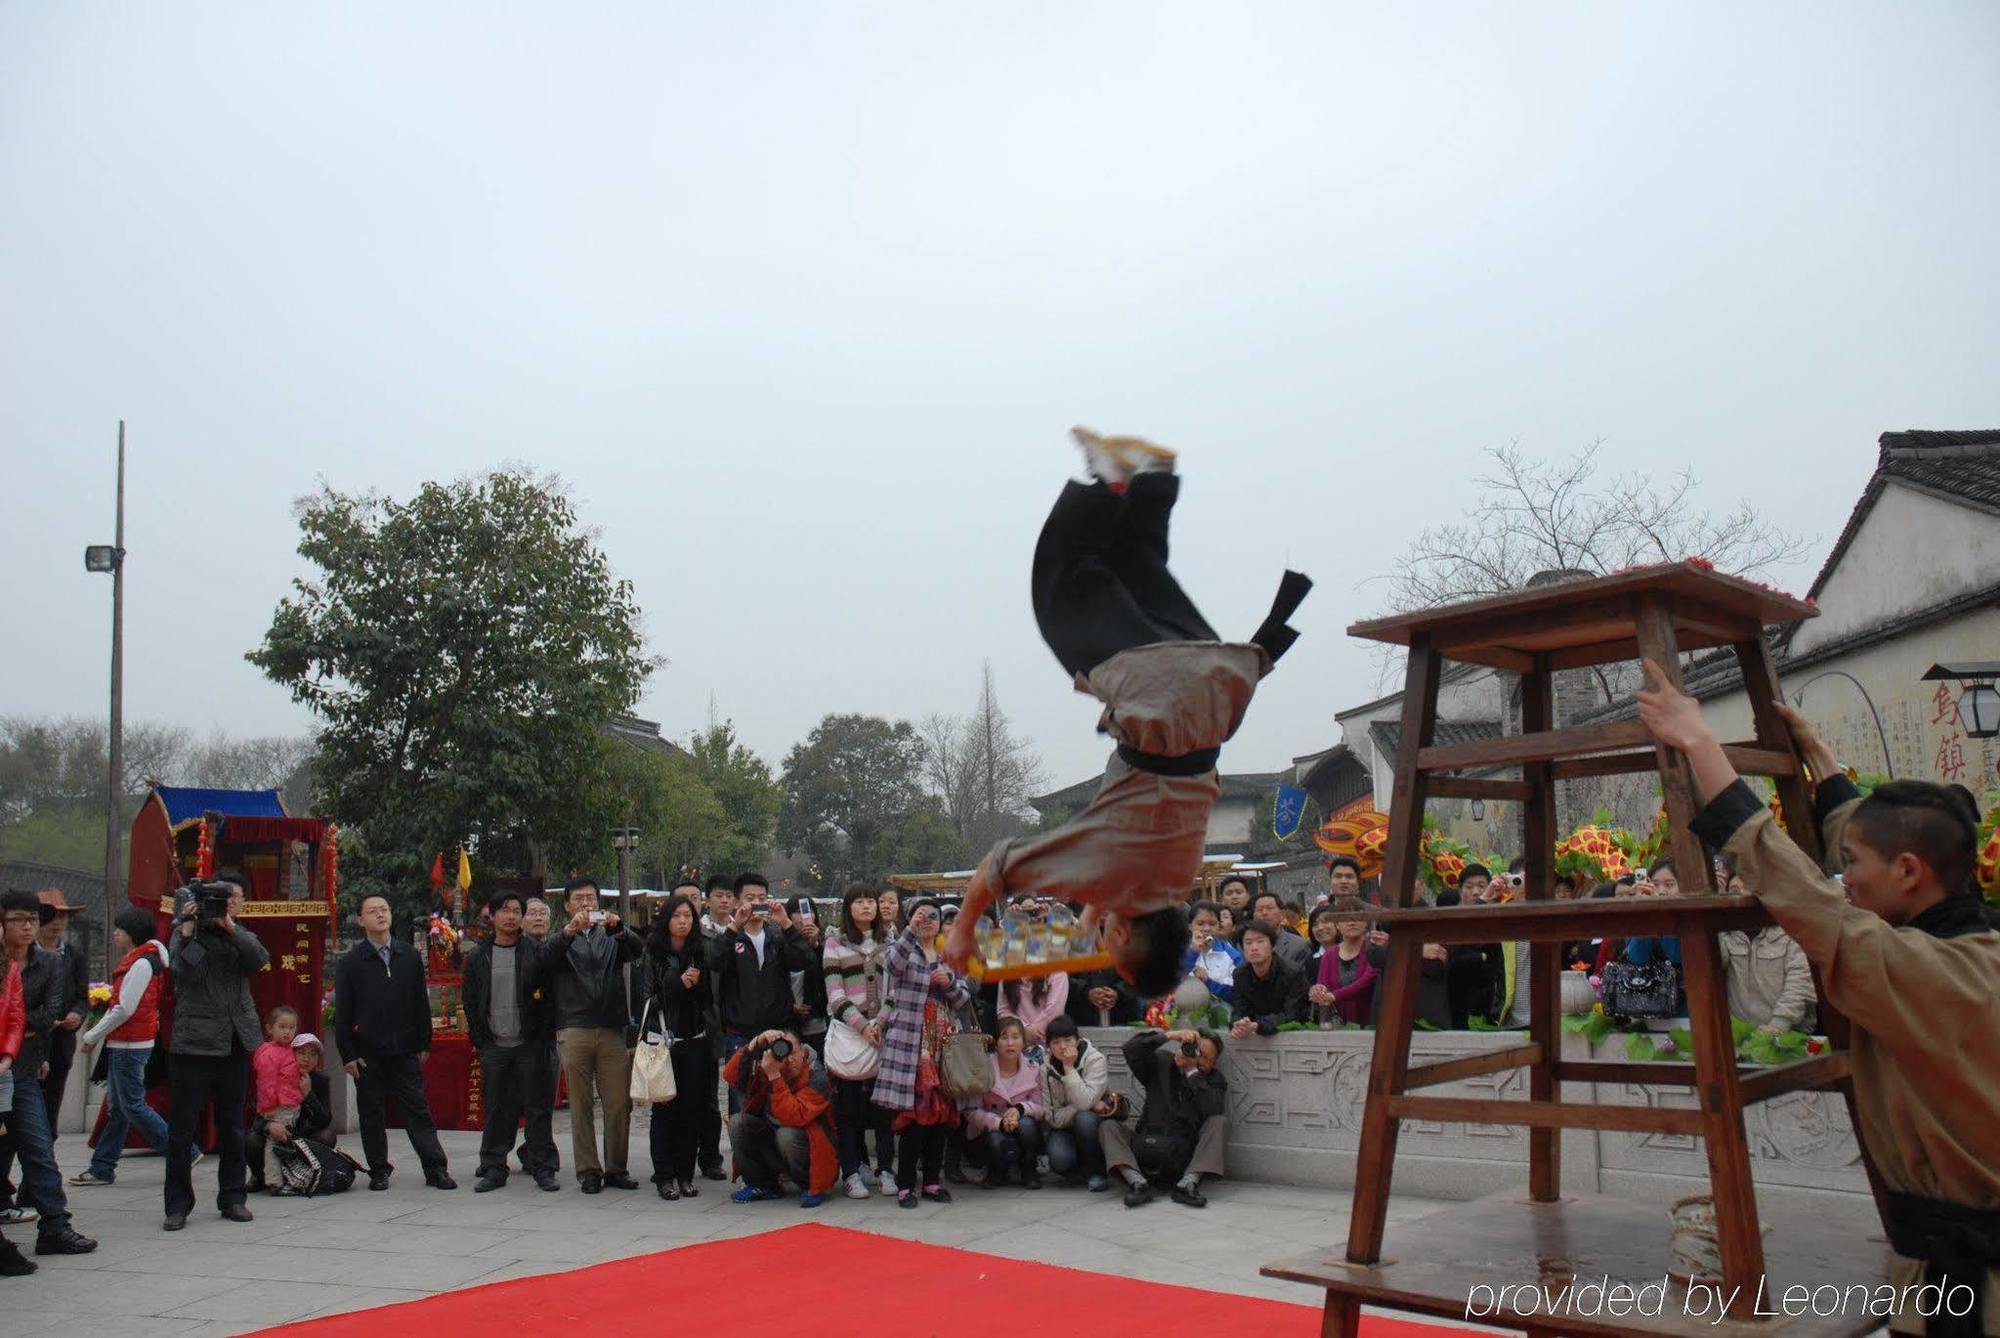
[
  {"x": 855, "y": 1003},
  {"x": 1642, "y": 976},
  {"x": 678, "y": 1001},
  {"x": 924, "y": 995}
]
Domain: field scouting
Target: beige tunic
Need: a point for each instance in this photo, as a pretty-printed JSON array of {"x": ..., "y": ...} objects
[
  {"x": 1770, "y": 981},
  {"x": 1137, "y": 847},
  {"x": 1925, "y": 1011}
]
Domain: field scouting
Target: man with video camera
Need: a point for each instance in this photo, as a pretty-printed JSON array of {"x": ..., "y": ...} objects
[
  {"x": 215, "y": 1030},
  {"x": 784, "y": 1128},
  {"x": 1184, "y": 1129}
]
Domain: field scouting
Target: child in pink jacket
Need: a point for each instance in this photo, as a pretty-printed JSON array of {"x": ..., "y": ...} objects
[{"x": 280, "y": 1092}]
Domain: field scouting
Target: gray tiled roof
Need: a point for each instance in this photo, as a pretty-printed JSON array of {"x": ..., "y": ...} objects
[
  {"x": 1960, "y": 465},
  {"x": 1388, "y": 734}
]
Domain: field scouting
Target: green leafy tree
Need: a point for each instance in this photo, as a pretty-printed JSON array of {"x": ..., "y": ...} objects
[
  {"x": 855, "y": 804},
  {"x": 750, "y": 798},
  {"x": 462, "y": 651}
]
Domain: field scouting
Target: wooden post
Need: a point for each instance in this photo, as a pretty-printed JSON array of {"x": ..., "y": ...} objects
[
  {"x": 1657, "y": 642},
  {"x": 1406, "y": 806},
  {"x": 1538, "y": 848},
  {"x": 1717, "y": 1088},
  {"x": 1760, "y": 685},
  {"x": 1375, "y": 1159},
  {"x": 1397, "y": 1015}
]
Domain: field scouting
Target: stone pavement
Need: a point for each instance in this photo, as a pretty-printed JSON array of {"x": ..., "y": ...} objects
[{"x": 306, "y": 1257}]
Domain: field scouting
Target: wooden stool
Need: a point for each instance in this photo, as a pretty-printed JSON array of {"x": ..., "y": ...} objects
[{"x": 1654, "y": 614}]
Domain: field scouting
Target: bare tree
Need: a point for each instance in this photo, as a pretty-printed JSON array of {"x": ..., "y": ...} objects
[
  {"x": 951, "y": 768},
  {"x": 980, "y": 770},
  {"x": 1540, "y": 515}
]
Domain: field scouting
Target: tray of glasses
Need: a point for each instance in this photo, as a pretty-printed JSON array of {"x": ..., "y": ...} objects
[{"x": 1022, "y": 947}]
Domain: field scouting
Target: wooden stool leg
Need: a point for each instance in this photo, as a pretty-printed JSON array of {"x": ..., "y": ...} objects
[
  {"x": 1760, "y": 686},
  {"x": 1722, "y": 1108},
  {"x": 1342, "y": 1318},
  {"x": 1538, "y": 845},
  {"x": 1388, "y": 1070},
  {"x": 1658, "y": 643},
  {"x": 1397, "y": 1015}
]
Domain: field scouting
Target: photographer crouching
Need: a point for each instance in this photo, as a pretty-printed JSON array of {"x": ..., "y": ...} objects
[
  {"x": 215, "y": 1029},
  {"x": 784, "y": 1128},
  {"x": 1184, "y": 1128}
]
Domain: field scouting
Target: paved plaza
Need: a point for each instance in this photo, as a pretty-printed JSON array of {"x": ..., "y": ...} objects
[{"x": 307, "y": 1257}]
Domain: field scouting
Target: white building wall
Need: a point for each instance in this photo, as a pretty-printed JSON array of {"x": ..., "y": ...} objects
[{"x": 1913, "y": 552}]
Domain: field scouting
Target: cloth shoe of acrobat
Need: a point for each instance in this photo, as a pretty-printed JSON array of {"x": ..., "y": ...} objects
[
  {"x": 1138, "y": 455},
  {"x": 1108, "y": 467}
]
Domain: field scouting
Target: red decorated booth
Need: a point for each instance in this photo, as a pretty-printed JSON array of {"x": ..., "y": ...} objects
[{"x": 291, "y": 864}]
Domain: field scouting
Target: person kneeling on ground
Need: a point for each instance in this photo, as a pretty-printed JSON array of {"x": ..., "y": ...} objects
[
  {"x": 1007, "y": 1118},
  {"x": 784, "y": 1128},
  {"x": 1182, "y": 1133},
  {"x": 1076, "y": 1091}
]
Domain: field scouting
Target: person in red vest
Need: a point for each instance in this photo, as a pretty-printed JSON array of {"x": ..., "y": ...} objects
[
  {"x": 128, "y": 1030},
  {"x": 13, "y": 1028}
]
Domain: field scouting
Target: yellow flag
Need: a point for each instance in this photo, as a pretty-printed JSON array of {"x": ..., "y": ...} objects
[{"x": 464, "y": 871}]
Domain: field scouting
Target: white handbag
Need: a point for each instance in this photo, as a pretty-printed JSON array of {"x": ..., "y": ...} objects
[
  {"x": 652, "y": 1065},
  {"x": 849, "y": 1055}
]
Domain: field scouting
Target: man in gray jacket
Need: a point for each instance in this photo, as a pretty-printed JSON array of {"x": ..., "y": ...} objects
[
  {"x": 586, "y": 964},
  {"x": 208, "y": 1059}
]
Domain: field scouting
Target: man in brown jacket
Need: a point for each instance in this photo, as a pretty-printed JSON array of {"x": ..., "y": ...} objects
[
  {"x": 1173, "y": 694},
  {"x": 1906, "y": 952}
]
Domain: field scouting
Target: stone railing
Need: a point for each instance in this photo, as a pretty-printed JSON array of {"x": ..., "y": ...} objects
[{"x": 1295, "y": 1118}]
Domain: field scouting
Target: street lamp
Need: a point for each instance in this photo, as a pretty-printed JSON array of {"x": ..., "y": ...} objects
[
  {"x": 624, "y": 840},
  {"x": 1979, "y": 702},
  {"x": 109, "y": 559}
]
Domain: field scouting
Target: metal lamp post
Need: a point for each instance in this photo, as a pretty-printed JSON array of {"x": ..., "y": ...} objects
[
  {"x": 110, "y": 558},
  {"x": 625, "y": 840}
]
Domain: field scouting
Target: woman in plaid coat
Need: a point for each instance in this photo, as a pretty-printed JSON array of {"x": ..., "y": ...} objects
[{"x": 923, "y": 997}]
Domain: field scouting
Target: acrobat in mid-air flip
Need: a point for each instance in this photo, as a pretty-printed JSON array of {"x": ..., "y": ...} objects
[{"x": 1173, "y": 693}]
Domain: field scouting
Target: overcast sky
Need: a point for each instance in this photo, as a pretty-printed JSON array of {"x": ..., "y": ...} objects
[{"x": 801, "y": 300}]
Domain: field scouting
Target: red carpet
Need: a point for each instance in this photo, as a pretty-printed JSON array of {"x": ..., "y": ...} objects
[{"x": 814, "y": 1279}]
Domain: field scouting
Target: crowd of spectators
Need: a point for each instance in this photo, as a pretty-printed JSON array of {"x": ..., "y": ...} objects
[{"x": 821, "y": 1040}]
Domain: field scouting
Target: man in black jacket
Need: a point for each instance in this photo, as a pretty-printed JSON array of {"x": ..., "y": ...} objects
[
  {"x": 508, "y": 1030},
  {"x": 1268, "y": 992},
  {"x": 215, "y": 1030},
  {"x": 382, "y": 1023},
  {"x": 751, "y": 964},
  {"x": 52, "y": 937},
  {"x": 1101, "y": 999},
  {"x": 1183, "y": 1132},
  {"x": 586, "y": 961},
  {"x": 73, "y": 981},
  {"x": 28, "y": 1120},
  {"x": 719, "y": 897}
]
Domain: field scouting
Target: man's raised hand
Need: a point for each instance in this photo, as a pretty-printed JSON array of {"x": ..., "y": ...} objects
[
  {"x": 1673, "y": 717},
  {"x": 958, "y": 944},
  {"x": 1810, "y": 745}
]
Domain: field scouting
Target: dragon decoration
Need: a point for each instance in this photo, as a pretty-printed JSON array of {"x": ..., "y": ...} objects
[
  {"x": 1596, "y": 851},
  {"x": 1362, "y": 837}
]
